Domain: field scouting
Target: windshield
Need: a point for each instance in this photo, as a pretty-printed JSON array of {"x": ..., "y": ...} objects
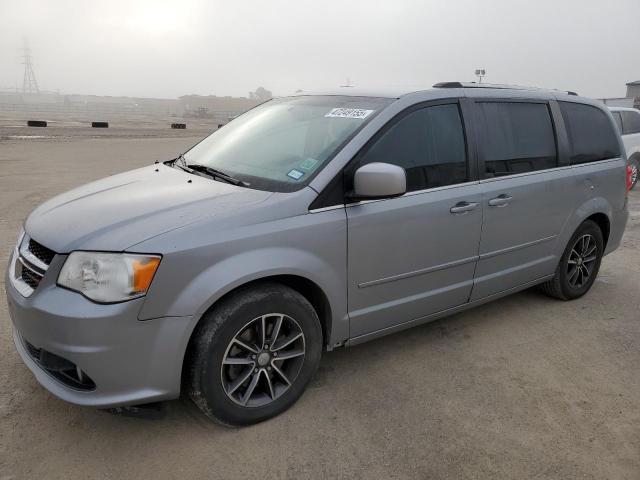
[{"x": 281, "y": 144}]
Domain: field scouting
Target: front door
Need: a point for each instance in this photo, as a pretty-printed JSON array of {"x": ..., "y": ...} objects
[{"x": 415, "y": 255}]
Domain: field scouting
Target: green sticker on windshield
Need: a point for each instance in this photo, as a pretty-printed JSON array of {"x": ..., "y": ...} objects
[{"x": 308, "y": 164}]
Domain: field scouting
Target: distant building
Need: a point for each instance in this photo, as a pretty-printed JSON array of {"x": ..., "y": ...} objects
[
  {"x": 212, "y": 106},
  {"x": 633, "y": 91},
  {"x": 618, "y": 102},
  {"x": 106, "y": 107},
  {"x": 89, "y": 105},
  {"x": 631, "y": 100}
]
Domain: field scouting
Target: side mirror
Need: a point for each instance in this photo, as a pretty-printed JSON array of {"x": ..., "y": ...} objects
[{"x": 378, "y": 180}]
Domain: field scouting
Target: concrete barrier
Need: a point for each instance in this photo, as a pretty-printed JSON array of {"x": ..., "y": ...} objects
[
  {"x": 180, "y": 126},
  {"x": 36, "y": 123},
  {"x": 99, "y": 124}
]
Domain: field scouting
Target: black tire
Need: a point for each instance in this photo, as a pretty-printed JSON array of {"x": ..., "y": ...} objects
[
  {"x": 560, "y": 286},
  {"x": 634, "y": 163},
  {"x": 208, "y": 380}
]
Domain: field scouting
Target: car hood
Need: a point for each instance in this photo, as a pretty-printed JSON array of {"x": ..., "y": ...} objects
[{"x": 119, "y": 211}]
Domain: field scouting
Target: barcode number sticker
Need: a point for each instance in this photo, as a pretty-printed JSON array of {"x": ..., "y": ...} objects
[{"x": 349, "y": 113}]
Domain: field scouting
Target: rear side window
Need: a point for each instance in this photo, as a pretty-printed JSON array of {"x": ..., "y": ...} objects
[
  {"x": 591, "y": 135},
  {"x": 618, "y": 118},
  {"x": 428, "y": 143},
  {"x": 630, "y": 122},
  {"x": 516, "y": 137}
]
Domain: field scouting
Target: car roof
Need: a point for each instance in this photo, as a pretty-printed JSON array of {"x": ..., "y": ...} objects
[
  {"x": 470, "y": 89},
  {"x": 360, "y": 92}
]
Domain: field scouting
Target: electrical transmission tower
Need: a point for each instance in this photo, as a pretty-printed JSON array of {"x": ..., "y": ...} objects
[{"x": 29, "y": 82}]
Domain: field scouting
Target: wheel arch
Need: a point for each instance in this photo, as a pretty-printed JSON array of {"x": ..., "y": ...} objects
[
  {"x": 603, "y": 221},
  {"x": 634, "y": 153},
  {"x": 597, "y": 209},
  {"x": 309, "y": 289}
]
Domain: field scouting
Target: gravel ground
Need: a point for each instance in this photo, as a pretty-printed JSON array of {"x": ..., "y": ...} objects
[{"x": 524, "y": 387}]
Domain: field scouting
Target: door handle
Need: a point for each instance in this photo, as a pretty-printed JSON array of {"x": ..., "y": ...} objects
[
  {"x": 461, "y": 208},
  {"x": 500, "y": 201}
]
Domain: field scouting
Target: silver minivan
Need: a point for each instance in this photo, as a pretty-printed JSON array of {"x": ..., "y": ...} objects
[
  {"x": 628, "y": 123},
  {"x": 310, "y": 223}
]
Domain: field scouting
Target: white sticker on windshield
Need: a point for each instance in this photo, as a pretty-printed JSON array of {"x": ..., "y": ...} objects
[
  {"x": 295, "y": 174},
  {"x": 349, "y": 113}
]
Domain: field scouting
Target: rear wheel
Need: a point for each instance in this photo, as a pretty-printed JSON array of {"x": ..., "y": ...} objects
[
  {"x": 634, "y": 164},
  {"x": 253, "y": 354},
  {"x": 579, "y": 264}
]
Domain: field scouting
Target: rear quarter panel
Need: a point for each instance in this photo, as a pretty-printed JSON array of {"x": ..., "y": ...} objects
[{"x": 598, "y": 187}]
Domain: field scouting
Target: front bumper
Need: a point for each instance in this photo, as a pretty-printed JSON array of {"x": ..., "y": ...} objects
[{"x": 130, "y": 361}]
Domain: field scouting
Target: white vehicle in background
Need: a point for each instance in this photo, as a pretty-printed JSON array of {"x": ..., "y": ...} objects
[{"x": 628, "y": 122}]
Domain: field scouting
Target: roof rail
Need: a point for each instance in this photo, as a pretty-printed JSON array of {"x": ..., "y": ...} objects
[
  {"x": 449, "y": 85},
  {"x": 491, "y": 85}
]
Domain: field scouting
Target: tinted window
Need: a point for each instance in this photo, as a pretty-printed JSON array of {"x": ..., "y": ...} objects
[
  {"x": 618, "y": 118},
  {"x": 631, "y": 122},
  {"x": 428, "y": 143},
  {"x": 516, "y": 137},
  {"x": 591, "y": 135}
]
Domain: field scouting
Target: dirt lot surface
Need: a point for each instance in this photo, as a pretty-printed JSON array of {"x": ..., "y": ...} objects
[{"x": 524, "y": 387}]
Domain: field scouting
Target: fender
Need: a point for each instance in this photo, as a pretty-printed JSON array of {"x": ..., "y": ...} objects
[
  {"x": 312, "y": 247},
  {"x": 218, "y": 280}
]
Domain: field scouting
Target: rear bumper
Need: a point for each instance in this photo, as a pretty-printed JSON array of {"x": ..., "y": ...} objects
[
  {"x": 618, "y": 225},
  {"x": 130, "y": 361}
]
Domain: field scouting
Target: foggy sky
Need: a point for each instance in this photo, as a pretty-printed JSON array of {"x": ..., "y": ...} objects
[{"x": 158, "y": 48}]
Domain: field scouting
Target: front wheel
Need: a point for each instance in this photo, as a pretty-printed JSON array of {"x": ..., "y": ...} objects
[
  {"x": 579, "y": 264},
  {"x": 253, "y": 354}
]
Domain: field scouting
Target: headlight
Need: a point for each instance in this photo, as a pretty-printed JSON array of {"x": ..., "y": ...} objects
[{"x": 108, "y": 277}]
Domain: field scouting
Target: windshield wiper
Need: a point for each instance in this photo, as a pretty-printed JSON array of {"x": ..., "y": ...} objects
[
  {"x": 181, "y": 163},
  {"x": 196, "y": 167}
]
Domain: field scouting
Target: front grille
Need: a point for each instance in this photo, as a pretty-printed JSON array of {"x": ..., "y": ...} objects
[
  {"x": 33, "y": 260},
  {"x": 41, "y": 252},
  {"x": 30, "y": 277},
  {"x": 60, "y": 368}
]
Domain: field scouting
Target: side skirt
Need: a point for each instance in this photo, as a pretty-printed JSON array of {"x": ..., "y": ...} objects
[{"x": 444, "y": 313}]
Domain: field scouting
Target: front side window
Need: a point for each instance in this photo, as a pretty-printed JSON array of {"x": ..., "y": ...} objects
[
  {"x": 281, "y": 144},
  {"x": 591, "y": 135},
  {"x": 516, "y": 137},
  {"x": 630, "y": 122},
  {"x": 428, "y": 143}
]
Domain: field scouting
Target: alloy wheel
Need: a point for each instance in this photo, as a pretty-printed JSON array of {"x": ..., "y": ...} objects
[
  {"x": 263, "y": 360},
  {"x": 582, "y": 260}
]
